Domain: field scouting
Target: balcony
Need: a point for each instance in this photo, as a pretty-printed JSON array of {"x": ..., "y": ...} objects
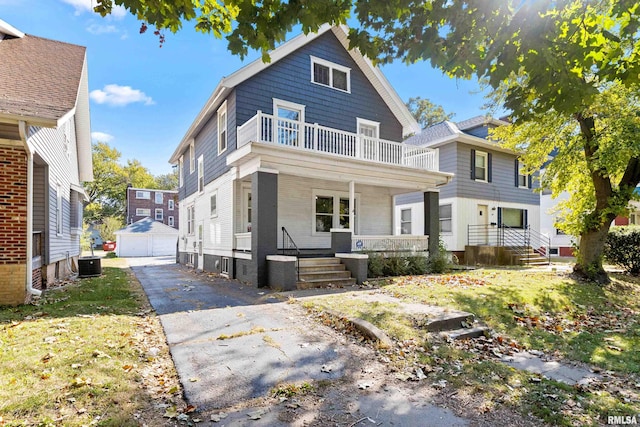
[{"x": 265, "y": 128}]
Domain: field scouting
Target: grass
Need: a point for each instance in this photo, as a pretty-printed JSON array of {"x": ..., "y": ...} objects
[
  {"x": 88, "y": 353},
  {"x": 545, "y": 311}
]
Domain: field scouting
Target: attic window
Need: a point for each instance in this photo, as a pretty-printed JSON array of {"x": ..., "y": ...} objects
[{"x": 327, "y": 73}]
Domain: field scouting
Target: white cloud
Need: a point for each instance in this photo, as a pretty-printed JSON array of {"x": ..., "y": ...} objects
[
  {"x": 101, "y": 136},
  {"x": 119, "y": 96},
  {"x": 81, "y": 6},
  {"x": 98, "y": 29}
]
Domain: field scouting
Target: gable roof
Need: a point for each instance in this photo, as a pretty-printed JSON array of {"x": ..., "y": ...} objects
[
  {"x": 147, "y": 226},
  {"x": 447, "y": 132},
  {"x": 372, "y": 73},
  {"x": 39, "y": 78}
]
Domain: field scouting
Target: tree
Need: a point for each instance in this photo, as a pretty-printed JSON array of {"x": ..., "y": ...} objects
[
  {"x": 168, "y": 181},
  {"x": 541, "y": 56},
  {"x": 426, "y": 112},
  {"x": 108, "y": 227}
]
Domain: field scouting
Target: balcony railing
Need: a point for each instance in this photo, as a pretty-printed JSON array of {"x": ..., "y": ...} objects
[
  {"x": 402, "y": 243},
  {"x": 313, "y": 137}
]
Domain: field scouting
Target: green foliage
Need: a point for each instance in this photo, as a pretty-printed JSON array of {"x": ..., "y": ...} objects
[
  {"x": 85, "y": 238},
  {"x": 426, "y": 112},
  {"x": 439, "y": 261},
  {"x": 395, "y": 264},
  {"x": 622, "y": 246},
  {"x": 108, "y": 227}
]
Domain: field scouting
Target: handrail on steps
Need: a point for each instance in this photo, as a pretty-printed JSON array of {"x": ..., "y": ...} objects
[{"x": 289, "y": 245}]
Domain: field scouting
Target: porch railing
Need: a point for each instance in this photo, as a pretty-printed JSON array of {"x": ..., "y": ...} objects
[
  {"x": 313, "y": 137},
  {"x": 519, "y": 240},
  {"x": 289, "y": 247},
  {"x": 402, "y": 243},
  {"x": 243, "y": 241}
]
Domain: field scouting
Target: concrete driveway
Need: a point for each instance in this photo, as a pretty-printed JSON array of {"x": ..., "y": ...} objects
[{"x": 231, "y": 343}]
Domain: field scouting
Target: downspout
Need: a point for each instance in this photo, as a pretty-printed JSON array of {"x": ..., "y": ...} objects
[{"x": 22, "y": 127}]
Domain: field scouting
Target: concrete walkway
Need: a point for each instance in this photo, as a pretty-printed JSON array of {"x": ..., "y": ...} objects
[{"x": 232, "y": 343}]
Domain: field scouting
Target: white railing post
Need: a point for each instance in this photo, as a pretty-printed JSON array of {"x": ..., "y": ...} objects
[
  {"x": 315, "y": 136},
  {"x": 259, "y": 126}
]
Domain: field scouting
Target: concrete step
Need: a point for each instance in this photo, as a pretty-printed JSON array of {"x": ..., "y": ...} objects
[
  {"x": 314, "y": 268},
  {"x": 317, "y": 275},
  {"x": 323, "y": 283},
  {"x": 448, "y": 321},
  {"x": 310, "y": 262},
  {"x": 465, "y": 333}
]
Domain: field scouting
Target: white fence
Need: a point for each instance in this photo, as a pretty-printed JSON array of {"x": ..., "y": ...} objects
[{"x": 313, "y": 137}]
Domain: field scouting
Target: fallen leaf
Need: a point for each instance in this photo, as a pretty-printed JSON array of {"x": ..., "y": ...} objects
[
  {"x": 190, "y": 408},
  {"x": 194, "y": 379},
  {"x": 171, "y": 412},
  {"x": 128, "y": 368}
]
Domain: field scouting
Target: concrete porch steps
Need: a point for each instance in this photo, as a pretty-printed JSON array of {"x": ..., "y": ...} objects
[{"x": 323, "y": 272}]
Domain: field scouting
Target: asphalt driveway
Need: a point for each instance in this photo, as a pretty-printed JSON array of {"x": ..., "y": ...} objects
[{"x": 231, "y": 343}]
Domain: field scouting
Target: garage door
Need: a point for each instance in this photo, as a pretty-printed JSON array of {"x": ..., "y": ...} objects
[
  {"x": 164, "y": 245},
  {"x": 133, "y": 245}
]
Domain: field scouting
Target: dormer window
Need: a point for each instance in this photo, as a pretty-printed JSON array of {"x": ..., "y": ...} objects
[{"x": 327, "y": 73}]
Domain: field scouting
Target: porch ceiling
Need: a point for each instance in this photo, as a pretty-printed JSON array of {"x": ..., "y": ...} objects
[{"x": 253, "y": 156}]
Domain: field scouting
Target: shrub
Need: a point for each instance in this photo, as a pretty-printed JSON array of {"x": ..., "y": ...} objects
[
  {"x": 375, "y": 266},
  {"x": 109, "y": 226},
  {"x": 438, "y": 262},
  {"x": 621, "y": 248},
  {"x": 396, "y": 265}
]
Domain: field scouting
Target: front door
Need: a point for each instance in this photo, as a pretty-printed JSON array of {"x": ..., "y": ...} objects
[
  {"x": 368, "y": 133},
  {"x": 483, "y": 224}
]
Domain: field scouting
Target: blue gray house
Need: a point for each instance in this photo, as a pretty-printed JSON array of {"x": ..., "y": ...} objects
[
  {"x": 303, "y": 157},
  {"x": 489, "y": 203}
]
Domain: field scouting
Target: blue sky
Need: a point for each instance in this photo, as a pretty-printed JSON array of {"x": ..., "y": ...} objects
[{"x": 143, "y": 98}]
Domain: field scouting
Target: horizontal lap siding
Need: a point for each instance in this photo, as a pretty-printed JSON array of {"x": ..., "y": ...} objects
[
  {"x": 296, "y": 209},
  {"x": 218, "y": 231},
  {"x": 63, "y": 169},
  {"x": 290, "y": 79}
]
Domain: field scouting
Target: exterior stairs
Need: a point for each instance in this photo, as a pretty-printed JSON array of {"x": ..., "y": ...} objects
[
  {"x": 527, "y": 256},
  {"x": 323, "y": 272},
  {"x": 456, "y": 325}
]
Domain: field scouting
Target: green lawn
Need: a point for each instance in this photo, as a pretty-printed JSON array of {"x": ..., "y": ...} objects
[
  {"x": 546, "y": 311},
  {"x": 88, "y": 353}
]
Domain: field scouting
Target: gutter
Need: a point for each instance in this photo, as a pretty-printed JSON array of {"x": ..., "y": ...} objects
[{"x": 22, "y": 127}]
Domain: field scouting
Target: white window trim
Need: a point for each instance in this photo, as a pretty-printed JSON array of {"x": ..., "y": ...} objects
[
  {"x": 191, "y": 216},
  {"x": 450, "y": 232},
  {"x": 526, "y": 177},
  {"x": 288, "y": 105},
  {"x": 486, "y": 166},
  {"x": 155, "y": 198},
  {"x": 144, "y": 195},
  {"x": 246, "y": 224},
  {"x": 223, "y": 110},
  {"x": 201, "y": 173},
  {"x": 192, "y": 156},
  {"x": 404, "y": 222},
  {"x": 181, "y": 171},
  {"x": 366, "y": 122},
  {"x": 337, "y": 195},
  {"x": 158, "y": 211},
  {"x": 170, "y": 221},
  {"x": 331, "y": 66},
  {"x": 171, "y": 204},
  {"x": 214, "y": 214},
  {"x": 143, "y": 212}
]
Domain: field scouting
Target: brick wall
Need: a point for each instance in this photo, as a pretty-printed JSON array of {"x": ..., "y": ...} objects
[
  {"x": 13, "y": 225},
  {"x": 133, "y": 204},
  {"x": 36, "y": 278}
]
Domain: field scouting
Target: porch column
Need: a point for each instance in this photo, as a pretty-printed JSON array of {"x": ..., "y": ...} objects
[
  {"x": 352, "y": 207},
  {"x": 264, "y": 223},
  {"x": 432, "y": 220}
]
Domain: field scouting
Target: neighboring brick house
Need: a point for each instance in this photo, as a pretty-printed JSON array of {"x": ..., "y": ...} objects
[
  {"x": 45, "y": 155},
  {"x": 159, "y": 205}
]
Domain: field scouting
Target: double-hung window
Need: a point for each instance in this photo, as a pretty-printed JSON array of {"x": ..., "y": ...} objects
[
  {"x": 445, "y": 218},
  {"x": 159, "y": 198},
  {"x": 146, "y": 195},
  {"x": 214, "y": 205},
  {"x": 191, "y": 216},
  {"x": 159, "y": 214},
  {"x": 523, "y": 180},
  {"x": 201, "y": 174},
  {"x": 222, "y": 128},
  {"x": 170, "y": 204},
  {"x": 405, "y": 221},
  {"x": 329, "y": 74},
  {"x": 480, "y": 166},
  {"x": 143, "y": 212}
]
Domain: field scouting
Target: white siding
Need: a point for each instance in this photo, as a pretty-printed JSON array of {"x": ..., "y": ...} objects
[
  {"x": 548, "y": 218},
  {"x": 63, "y": 169},
  {"x": 218, "y": 231},
  {"x": 374, "y": 206}
]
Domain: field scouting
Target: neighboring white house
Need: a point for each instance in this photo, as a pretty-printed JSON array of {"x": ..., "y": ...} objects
[
  {"x": 146, "y": 237},
  {"x": 490, "y": 196}
]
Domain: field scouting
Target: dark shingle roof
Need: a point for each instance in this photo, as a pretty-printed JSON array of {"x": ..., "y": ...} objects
[
  {"x": 39, "y": 77},
  {"x": 433, "y": 133}
]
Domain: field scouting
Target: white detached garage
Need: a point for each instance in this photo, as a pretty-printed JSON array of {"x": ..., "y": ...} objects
[{"x": 146, "y": 238}]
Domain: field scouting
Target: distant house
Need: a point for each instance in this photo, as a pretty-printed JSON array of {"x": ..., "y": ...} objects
[
  {"x": 45, "y": 152},
  {"x": 490, "y": 202},
  {"x": 562, "y": 244},
  {"x": 160, "y": 205},
  {"x": 301, "y": 156}
]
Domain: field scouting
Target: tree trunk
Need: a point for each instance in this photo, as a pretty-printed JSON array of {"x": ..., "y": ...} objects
[{"x": 589, "y": 262}]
